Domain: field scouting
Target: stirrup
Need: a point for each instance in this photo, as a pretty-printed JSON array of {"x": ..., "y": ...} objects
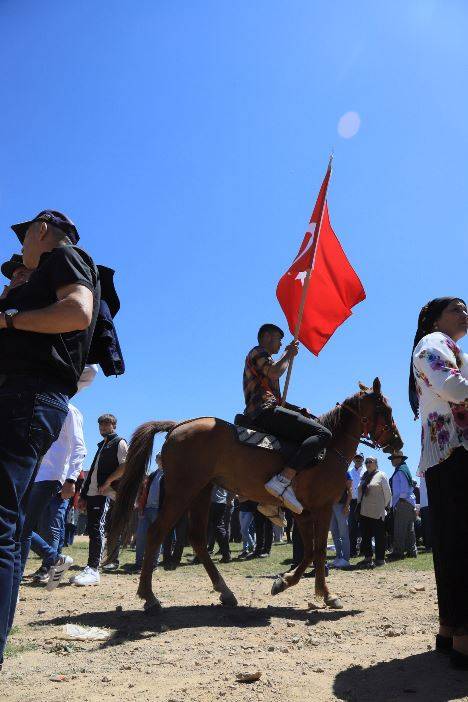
[{"x": 274, "y": 513}]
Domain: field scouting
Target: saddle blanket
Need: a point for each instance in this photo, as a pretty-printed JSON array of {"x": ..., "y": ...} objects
[
  {"x": 287, "y": 448},
  {"x": 258, "y": 438}
]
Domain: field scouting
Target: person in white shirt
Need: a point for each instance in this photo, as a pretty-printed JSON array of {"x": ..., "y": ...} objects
[
  {"x": 48, "y": 500},
  {"x": 374, "y": 499},
  {"x": 353, "y": 520},
  {"x": 438, "y": 392}
]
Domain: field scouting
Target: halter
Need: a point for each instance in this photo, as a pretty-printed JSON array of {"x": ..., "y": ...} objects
[{"x": 369, "y": 437}]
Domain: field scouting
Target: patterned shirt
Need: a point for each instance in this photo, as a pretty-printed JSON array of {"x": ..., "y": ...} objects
[
  {"x": 441, "y": 373},
  {"x": 260, "y": 391}
]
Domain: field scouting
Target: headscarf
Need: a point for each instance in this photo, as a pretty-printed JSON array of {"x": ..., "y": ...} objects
[{"x": 429, "y": 314}]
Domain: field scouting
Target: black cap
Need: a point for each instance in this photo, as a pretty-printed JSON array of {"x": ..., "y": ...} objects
[
  {"x": 57, "y": 219},
  {"x": 397, "y": 454},
  {"x": 9, "y": 267}
]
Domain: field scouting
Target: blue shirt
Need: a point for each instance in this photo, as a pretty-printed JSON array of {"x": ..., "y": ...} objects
[
  {"x": 155, "y": 490},
  {"x": 356, "y": 475},
  {"x": 401, "y": 490}
]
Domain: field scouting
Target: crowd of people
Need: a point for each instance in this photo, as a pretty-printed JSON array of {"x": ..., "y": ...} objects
[
  {"x": 56, "y": 327},
  {"x": 377, "y": 518}
]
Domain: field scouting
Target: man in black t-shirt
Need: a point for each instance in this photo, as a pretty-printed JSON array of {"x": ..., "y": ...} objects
[{"x": 46, "y": 327}]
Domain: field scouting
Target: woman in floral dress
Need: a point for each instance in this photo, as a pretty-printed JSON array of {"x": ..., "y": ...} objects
[{"x": 438, "y": 392}]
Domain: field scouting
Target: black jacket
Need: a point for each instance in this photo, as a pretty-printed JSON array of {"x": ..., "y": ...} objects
[
  {"x": 105, "y": 348},
  {"x": 105, "y": 461}
]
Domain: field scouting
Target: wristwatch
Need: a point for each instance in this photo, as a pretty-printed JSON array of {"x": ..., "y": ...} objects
[
  {"x": 9, "y": 317},
  {"x": 71, "y": 481}
]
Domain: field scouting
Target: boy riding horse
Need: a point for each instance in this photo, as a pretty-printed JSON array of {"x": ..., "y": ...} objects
[{"x": 264, "y": 411}]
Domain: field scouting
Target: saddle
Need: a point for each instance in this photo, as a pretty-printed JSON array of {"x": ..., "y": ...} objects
[{"x": 247, "y": 433}]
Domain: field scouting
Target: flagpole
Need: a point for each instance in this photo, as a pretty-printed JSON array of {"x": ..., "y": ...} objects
[{"x": 305, "y": 289}]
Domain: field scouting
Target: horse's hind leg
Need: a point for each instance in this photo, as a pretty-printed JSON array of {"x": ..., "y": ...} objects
[
  {"x": 171, "y": 511},
  {"x": 306, "y": 528},
  {"x": 322, "y": 526},
  {"x": 198, "y": 523}
]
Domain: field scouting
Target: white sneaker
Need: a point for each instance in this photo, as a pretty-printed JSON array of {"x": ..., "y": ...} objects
[
  {"x": 89, "y": 576},
  {"x": 281, "y": 487},
  {"x": 58, "y": 570}
]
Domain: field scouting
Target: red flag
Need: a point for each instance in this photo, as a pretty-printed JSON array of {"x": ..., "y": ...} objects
[{"x": 334, "y": 287}]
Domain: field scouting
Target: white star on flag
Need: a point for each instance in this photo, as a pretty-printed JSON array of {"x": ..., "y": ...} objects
[{"x": 301, "y": 276}]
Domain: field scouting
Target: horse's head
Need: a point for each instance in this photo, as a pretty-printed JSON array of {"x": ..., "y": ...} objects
[{"x": 377, "y": 419}]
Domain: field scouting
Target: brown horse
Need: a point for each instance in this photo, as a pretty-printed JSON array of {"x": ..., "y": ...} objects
[{"x": 201, "y": 452}]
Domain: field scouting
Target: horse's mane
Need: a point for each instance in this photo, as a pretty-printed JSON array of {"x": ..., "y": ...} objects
[{"x": 332, "y": 419}]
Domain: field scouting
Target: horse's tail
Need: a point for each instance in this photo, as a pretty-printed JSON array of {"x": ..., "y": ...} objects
[{"x": 136, "y": 466}]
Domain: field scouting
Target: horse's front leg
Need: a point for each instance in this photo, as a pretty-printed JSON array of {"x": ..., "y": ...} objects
[{"x": 198, "y": 523}]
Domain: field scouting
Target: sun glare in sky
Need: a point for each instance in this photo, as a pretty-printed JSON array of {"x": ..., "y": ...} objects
[{"x": 349, "y": 124}]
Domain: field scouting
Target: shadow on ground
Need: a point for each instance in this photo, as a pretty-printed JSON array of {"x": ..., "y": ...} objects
[
  {"x": 133, "y": 625},
  {"x": 423, "y": 677}
]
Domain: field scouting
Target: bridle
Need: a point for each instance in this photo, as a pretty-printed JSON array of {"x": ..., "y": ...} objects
[{"x": 369, "y": 436}]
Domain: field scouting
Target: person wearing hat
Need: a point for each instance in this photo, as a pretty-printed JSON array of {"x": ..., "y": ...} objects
[
  {"x": 46, "y": 328},
  {"x": 404, "y": 509},
  {"x": 438, "y": 392},
  {"x": 353, "y": 520},
  {"x": 16, "y": 272}
]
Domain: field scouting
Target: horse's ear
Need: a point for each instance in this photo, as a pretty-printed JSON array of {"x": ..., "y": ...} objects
[
  {"x": 377, "y": 387},
  {"x": 362, "y": 386}
]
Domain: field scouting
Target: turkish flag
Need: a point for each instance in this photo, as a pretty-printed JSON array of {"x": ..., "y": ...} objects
[{"x": 334, "y": 287}]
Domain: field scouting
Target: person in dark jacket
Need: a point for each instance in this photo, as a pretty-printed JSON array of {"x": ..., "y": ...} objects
[{"x": 108, "y": 466}]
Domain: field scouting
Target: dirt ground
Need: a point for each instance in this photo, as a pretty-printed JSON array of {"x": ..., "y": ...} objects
[{"x": 379, "y": 647}]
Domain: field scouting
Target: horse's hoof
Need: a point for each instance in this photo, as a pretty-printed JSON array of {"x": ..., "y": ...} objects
[
  {"x": 152, "y": 607},
  {"x": 153, "y": 611},
  {"x": 334, "y": 603},
  {"x": 228, "y": 600},
  {"x": 278, "y": 586}
]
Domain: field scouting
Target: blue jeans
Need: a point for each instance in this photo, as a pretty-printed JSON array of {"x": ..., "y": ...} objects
[
  {"x": 246, "y": 520},
  {"x": 340, "y": 532},
  {"x": 52, "y": 525},
  {"x": 32, "y": 412},
  {"x": 46, "y": 510},
  {"x": 144, "y": 522},
  {"x": 70, "y": 531}
]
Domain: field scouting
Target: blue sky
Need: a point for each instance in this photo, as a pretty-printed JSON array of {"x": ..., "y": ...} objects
[{"x": 188, "y": 142}]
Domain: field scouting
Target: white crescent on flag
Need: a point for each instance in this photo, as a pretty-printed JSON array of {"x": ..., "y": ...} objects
[{"x": 311, "y": 231}]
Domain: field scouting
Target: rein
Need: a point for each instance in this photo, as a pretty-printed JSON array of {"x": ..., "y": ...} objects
[{"x": 368, "y": 436}]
